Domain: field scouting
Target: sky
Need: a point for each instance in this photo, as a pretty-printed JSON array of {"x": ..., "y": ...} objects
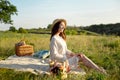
[{"x": 40, "y": 13}]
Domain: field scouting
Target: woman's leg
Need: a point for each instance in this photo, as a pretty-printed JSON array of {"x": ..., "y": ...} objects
[{"x": 86, "y": 61}]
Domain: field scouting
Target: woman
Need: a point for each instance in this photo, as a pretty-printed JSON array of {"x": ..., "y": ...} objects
[{"x": 59, "y": 52}]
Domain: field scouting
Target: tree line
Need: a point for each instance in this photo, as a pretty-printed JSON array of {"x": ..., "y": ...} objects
[
  {"x": 108, "y": 29},
  {"x": 20, "y": 30},
  {"x": 101, "y": 29}
]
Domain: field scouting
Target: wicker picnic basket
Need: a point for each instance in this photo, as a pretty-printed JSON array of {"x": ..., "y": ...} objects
[{"x": 21, "y": 49}]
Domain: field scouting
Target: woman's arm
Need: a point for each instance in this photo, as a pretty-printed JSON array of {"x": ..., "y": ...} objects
[{"x": 69, "y": 53}]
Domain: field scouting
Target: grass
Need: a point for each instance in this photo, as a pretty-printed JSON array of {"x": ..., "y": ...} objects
[{"x": 103, "y": 50}]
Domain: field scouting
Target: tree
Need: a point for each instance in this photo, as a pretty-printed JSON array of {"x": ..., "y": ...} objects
[
  {"x": 6, "y": 11},
  {"x": 49, "y": 26},
  {"x": 21, "y": 30},
  {"x": 13, "y": 29}
]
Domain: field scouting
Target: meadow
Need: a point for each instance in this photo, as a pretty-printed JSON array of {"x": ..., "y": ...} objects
[{"x": 103, "y": 50}]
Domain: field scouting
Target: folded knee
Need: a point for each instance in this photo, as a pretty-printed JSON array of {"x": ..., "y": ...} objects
[{"x": 81, "y": 55}]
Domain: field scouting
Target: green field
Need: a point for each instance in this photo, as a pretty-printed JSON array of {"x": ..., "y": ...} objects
[{"x": 103, "y": 50}]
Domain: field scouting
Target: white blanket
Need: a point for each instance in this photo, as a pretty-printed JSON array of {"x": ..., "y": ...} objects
[{"x": 31, "y": 64}]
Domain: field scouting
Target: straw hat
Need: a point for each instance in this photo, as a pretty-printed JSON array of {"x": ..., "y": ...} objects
[{"x": 59, "y": 20}]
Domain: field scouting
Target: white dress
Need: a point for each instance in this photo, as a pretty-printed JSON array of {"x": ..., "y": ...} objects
[{"x": 59, "y": 51}]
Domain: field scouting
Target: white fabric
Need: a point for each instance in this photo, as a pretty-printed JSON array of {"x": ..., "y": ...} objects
[
  {"x": 73, "y": 62},
  {"x": 26, "y": 63},
  {"x": 58, "y": 49},
  {"x": 31, "y": 64}
]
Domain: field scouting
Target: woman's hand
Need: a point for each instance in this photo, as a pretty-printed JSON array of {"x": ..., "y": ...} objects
[
  {"x": 72, "y": 54},
  {"x": 80, "y": 54},
  {"x": 76, "y": 54}
]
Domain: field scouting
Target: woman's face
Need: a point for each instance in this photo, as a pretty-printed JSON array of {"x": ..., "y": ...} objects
[{"x": 61, "y": 27}]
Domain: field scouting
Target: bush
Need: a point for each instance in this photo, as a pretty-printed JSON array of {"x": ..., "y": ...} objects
[
  {"x": 13, "y": 29},
  {"x": 21, "y": 30},
  {"x": 71, "y": 32}
]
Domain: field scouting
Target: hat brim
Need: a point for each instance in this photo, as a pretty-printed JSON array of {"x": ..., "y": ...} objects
[{"x": 59, "y": 20}]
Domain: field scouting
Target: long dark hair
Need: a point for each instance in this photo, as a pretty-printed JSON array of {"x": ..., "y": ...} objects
[{"x": 55, "y": 30}]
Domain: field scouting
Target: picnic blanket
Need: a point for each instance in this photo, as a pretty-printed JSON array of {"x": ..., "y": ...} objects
[{"x": 31, "y": 64}]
